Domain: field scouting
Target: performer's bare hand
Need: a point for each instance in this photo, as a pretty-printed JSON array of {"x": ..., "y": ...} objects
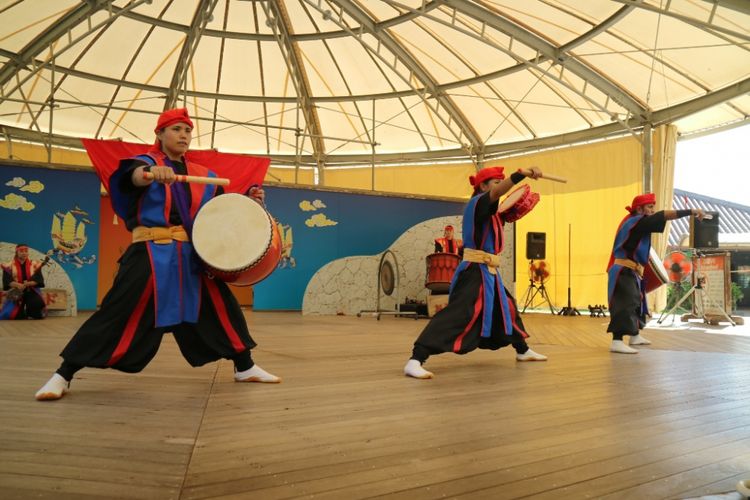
[
  {"x": 699, "y": 213},
  {"x": 533, "y": 172},
  {"x": 257, "y": 193},
  {"x": 165, "y": 175}
]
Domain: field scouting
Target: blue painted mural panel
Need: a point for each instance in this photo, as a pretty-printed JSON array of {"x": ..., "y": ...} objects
[
  {"x": 324, "y": 226},
  {"x": 57, "y": 212}
]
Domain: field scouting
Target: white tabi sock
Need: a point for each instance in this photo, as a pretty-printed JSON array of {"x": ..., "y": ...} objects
[
  {"x": 414, "y": 369},
  {"x": 55, "y": 388},
  {"x": 530, "y": 356},
  {"x": 619, "y": 346},
  {"x": 256, "y": 374}
]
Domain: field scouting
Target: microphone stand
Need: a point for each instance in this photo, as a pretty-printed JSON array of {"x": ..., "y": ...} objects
[{"x": 569, "y": 310}]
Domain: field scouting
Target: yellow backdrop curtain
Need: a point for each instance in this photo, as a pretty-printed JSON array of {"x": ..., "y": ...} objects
[
  {"x": 603, "y": 177},
  {"x": 434, "y": 180}
]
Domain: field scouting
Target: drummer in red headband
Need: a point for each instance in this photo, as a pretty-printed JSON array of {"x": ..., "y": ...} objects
[
  {"x": 160, "y": 286},
  {"x": 449, "y": 244},
  {"x": 481, "y": 313},
  {"x": 630, "y": 253},
  {"x": 22, "y": 281}
]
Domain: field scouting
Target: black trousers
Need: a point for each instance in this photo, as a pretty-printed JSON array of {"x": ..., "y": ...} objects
[
  {"x": 625, "y": 306},
  {"x": 122, "y": 335},
  {"x": 32, "y": 306},
  {"x": 447, "y": 330}
]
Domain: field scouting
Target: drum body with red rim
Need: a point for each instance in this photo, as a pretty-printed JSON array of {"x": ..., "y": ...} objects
[
  {"x": 237, "y": 239},
  {"x": 440, "y": 269},
  {"x": 654, "y": 274},
  {"x": 518, "y": 203}
]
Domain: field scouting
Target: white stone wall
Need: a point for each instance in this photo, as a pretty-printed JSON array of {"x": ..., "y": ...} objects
[
  {"x": 350, "y": 285},
  {"x": 54, "y": 276}
]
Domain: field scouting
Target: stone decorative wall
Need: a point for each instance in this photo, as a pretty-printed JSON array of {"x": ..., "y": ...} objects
[
  {"x": 54, "y": 276},
  {"x": 350, "y": 285}
]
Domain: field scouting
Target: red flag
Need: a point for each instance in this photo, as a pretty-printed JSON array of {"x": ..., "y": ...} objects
[{"x": 243, "y": 171}]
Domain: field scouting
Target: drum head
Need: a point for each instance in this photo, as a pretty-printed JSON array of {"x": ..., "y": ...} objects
[
  {"x": 513, "y": 198},
  {"x": 232, "y": 232},
  {"x": 657, "y": 265}
]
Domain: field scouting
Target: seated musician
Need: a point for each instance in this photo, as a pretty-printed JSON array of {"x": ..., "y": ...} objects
[
  {"x": 447, "y": 244},
  {"x": 160, "y": 286},
  {"x": 22, "y": 280}
]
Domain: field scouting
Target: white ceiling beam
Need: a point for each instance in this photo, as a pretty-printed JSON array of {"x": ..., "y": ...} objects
[
  {"x": 203, "y": 14},
  {"x": 548, "y": 51},
  {"x": 402, "y": 55}
]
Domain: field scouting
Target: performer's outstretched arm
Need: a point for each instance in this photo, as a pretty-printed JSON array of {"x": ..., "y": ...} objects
[{"x": 504, "y": 185}]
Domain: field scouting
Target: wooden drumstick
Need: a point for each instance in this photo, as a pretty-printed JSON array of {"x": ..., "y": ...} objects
[
  {"x": 553, "y": 178},
  {"x": 218, "y": 181}
]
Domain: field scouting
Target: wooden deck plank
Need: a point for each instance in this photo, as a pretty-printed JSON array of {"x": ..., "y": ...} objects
[{"x": 671, "y": 421}]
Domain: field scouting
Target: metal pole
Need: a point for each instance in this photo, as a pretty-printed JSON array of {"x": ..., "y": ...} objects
[
  {"x": 647, "y": 159},
  {"x": 8, "y": 143},
  {"x": 569, "y": 310},
  {"x": 296, "y": 150},
  {"x": 51, "y": 107}
]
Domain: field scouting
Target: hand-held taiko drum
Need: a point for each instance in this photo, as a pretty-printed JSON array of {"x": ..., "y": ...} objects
[
  {"x": 237, "y": 239},
  {"x": 654, "y": 274},
  {"x": 518, "y": 203}
]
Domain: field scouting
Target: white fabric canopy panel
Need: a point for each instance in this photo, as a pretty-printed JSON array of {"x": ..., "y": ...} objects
[{"x": 337, "y": 82}]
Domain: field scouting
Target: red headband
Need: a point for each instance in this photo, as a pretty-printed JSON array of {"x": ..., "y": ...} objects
[
  {"x": 172, "y": 116},
  {"x": 448, "y": 227},
  {"x": 22, "y": 247},
  {"x": 641, "y": 200},
  {"x": 486, "y": 174}
]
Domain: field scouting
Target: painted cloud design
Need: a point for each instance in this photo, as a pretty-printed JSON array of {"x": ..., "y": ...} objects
[
  {"x": 33, "y": 187},
  {"x": 20, "y": 183},
  {"x": 320, "y": 220},
  {"x": 310, "y": 206},
  {"x": 15, "y": 202}
]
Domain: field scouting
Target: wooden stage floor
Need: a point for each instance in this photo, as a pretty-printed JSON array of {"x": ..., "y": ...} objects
[{"x": 670, "y": 422}]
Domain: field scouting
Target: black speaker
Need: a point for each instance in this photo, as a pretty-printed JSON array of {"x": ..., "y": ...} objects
[
  {"x": 535, "y": 245},
  {"x": 705, "y": 233}
]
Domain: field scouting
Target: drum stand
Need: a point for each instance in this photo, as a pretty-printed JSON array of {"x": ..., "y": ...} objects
[
  {"x": 377, "y": 312},
  {"x": 533, "y": 291},
  {"x": 705, "y": 297}
]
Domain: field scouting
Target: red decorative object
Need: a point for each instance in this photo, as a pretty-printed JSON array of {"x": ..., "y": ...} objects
[
  {"x": 538, "y": 271},
  {"x": 679, "y": 266},
  {"x": 243, "y": 170}
]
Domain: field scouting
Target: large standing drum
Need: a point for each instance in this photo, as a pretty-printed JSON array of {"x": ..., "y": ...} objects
[
  {"x": 440, "y": 269},
  {"x": 654, "y": 274},
  {"x": 237, "y": 239}
]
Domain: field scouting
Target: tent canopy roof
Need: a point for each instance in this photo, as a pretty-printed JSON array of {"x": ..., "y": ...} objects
[{"x": 339, "y": 82}]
